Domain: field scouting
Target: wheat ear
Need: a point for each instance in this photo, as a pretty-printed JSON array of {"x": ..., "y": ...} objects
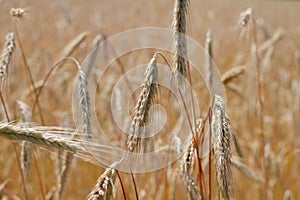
[
  {"x": 187, "y": 172},
  {"x": 26, "y": 147},
  {"x": 6, "y": 56},
  {"x": 180, "y": 43},
  {"x": 141, "y": 111},
  {"x": 63, "y": 173},
  {"x": 70, "y": 48},
  {"x": 276, "y": 37},
  {"x": 104, "y": 187},
  {"x": 209, "y": 58},
  {"x": 222, "y": 139},
  {"x": 245, "y": 170},
  {"x": 85, "y": 103},
  {"x": 232, "y": 74},
  {"x": 43, "y": 138},
  {"x": 186, "y": 168}
]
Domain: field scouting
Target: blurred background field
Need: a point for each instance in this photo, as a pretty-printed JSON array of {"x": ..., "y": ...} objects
[{"x": 50, "y": 25}]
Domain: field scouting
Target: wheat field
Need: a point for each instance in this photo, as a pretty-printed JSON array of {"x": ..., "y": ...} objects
[{"x": 254, "y": 133}]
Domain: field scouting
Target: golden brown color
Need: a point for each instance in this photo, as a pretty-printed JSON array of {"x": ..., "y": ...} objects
[{"x": 48, "y": 28}]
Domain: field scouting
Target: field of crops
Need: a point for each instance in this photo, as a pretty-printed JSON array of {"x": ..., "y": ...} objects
[{"x": 70, "y": 67}]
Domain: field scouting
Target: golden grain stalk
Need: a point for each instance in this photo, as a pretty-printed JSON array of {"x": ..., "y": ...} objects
[
  {"x": 222, "y": 139},
  {"x": 179, "y": 38},
  {"x": 142, "y": 108}
]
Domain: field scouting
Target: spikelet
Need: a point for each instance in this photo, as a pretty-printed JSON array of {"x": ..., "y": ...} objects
[
  {"x": 141, "y": 111},
  {"x": 180, "y": 43},
  {"x": 188, "y": 158},
  {"x": 6, "y": 56},
  {"x": 26, "y": 147},
  {"x": 222, "y": 139},
  {"x": 85, "y": 103},
  {"x": 104, "y": 187}
]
